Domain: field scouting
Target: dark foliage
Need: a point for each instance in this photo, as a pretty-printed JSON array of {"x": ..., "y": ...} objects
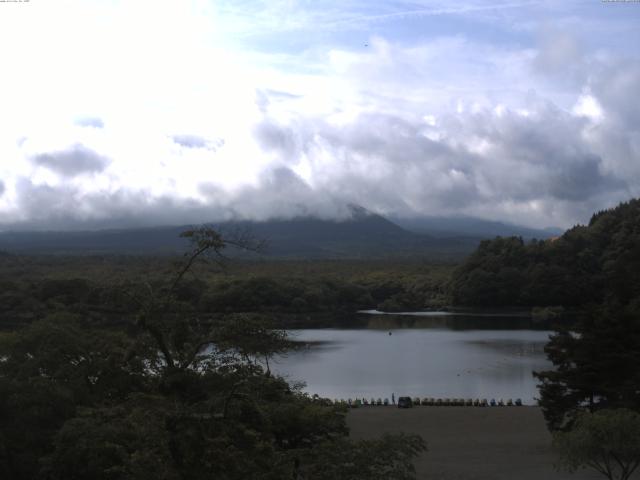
[
  {"x": 597, "y": 365},
  {"x": 607, "y": 441},
  {"x": 594, "y": 269},
  {"x": 168, "y": 392},
  {"x": 588, "y": 264},
  {"x": 313, "y": 293}
]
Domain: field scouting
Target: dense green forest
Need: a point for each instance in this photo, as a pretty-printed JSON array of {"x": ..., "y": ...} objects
[
  {"x": 115, "y": 367},
  {"x": 588, "y": 264},
  {"x": 104, "y": 376},
  {"x": 293, "y": 293},
  {"x": 593, "y": 270}
]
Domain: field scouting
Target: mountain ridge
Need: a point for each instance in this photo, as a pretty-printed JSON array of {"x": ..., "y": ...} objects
[
  {"x": 438, "y": 226},
  {"x": 362, "y": 235}
]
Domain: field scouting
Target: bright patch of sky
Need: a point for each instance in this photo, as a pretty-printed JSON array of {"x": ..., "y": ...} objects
[{"x": 116, "y": 112}]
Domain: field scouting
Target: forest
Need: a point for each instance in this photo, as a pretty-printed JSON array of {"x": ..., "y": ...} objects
[
  {"x": 292, "y": 293},
  {"x": 115, "y": 367},
  {"x": 119, "y": 376},
  {"x": 593, "y": 271},
  {"x": 589, "y": 264}
]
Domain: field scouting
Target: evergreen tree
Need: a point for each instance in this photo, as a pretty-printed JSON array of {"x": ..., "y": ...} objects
[{"x": 596, "y": 365}]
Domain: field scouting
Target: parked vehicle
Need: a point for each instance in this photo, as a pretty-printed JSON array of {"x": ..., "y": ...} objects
[{"x": 405, "y": 402}]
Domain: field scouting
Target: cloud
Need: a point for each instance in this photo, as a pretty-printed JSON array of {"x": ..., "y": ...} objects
[
  {"x": 582, "y": 179},
  {"x": 540, "y": 165},
  {"x": 266, "y": 97},
  {"x": 190, "y": 141},
  {"x": 196, "y": 141},
  {"x": 67, "y": 206},
  {"x": 614, "y": 86},
  {"x": 283, "y": 140},
  {"x": 93, "y": 122},
  {"x": 558, "y": 50},
  {"x": 261, "y": 18},
  {"x": 493, "y": 163},
  {"x": 443, "y": 9},
  {"x": 75, "y": 160},
  {"x": 279, "y": 193},
  {"x": 532, "y": 122},
  {"x": 2, "y": 188}
]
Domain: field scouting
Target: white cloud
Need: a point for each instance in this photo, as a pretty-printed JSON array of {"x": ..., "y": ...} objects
[
  {"x": 588, "y": 106},
  {"x": 174, "y": 110}
]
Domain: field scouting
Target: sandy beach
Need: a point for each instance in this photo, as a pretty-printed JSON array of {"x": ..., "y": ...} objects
[{"x": 467, "y": 443}]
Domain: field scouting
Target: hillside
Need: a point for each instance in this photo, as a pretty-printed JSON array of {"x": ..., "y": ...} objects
[
  {"x": 587, "y": 264},
  {"x": 363, "y": 235},
  {"x": 460, "y": 226}
]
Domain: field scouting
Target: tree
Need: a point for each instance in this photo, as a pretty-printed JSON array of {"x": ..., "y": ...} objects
[
  {"x": 174, "y": 395},
  {"x": 596, "y": 366},
  {"x": 47, "y": 372},
  {"x": 169, "y": 330},
  {"x": 387, "y": 458},
  {"x": 607, "y": 441}
]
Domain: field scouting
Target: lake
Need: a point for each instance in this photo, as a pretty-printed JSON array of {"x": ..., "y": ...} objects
[{"x": 437, "y": 354}]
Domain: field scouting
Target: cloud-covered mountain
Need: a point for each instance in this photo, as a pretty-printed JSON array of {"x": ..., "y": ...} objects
[
  {"x": 443, "y": 227},
  {"x": 514, "y": 111},
  {"x": 361, "y": 235}
]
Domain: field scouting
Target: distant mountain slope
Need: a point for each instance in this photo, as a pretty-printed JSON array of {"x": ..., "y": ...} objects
[
  {"x": 361, "y": 236},
  {"x": 364, "y": 234},
  {"x": 441, "y": 227},
  {"x": 143, "y": 240}
]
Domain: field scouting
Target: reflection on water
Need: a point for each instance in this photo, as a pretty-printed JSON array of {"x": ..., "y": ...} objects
[{"x": 431, "y": 358}]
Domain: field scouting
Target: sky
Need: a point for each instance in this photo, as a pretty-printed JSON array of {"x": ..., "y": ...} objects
[{"x": 122, "y": 113}]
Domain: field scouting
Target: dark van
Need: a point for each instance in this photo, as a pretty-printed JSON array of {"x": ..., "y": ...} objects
[{"x": 405, "y": 402}]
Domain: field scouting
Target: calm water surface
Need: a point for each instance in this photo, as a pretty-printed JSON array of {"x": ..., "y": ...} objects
[{"x": 434, "y": 356}]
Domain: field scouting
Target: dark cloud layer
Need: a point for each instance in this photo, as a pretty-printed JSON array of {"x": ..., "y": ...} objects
[
  {"x": 476, "y": 162},
  {"x": 65, "y": 207},
  {"x": 582, "y": 179},
  {"x": 73, "y": 161},
  {"x": 284, "y": 140},
  {"x": 280, "y": 193}
]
